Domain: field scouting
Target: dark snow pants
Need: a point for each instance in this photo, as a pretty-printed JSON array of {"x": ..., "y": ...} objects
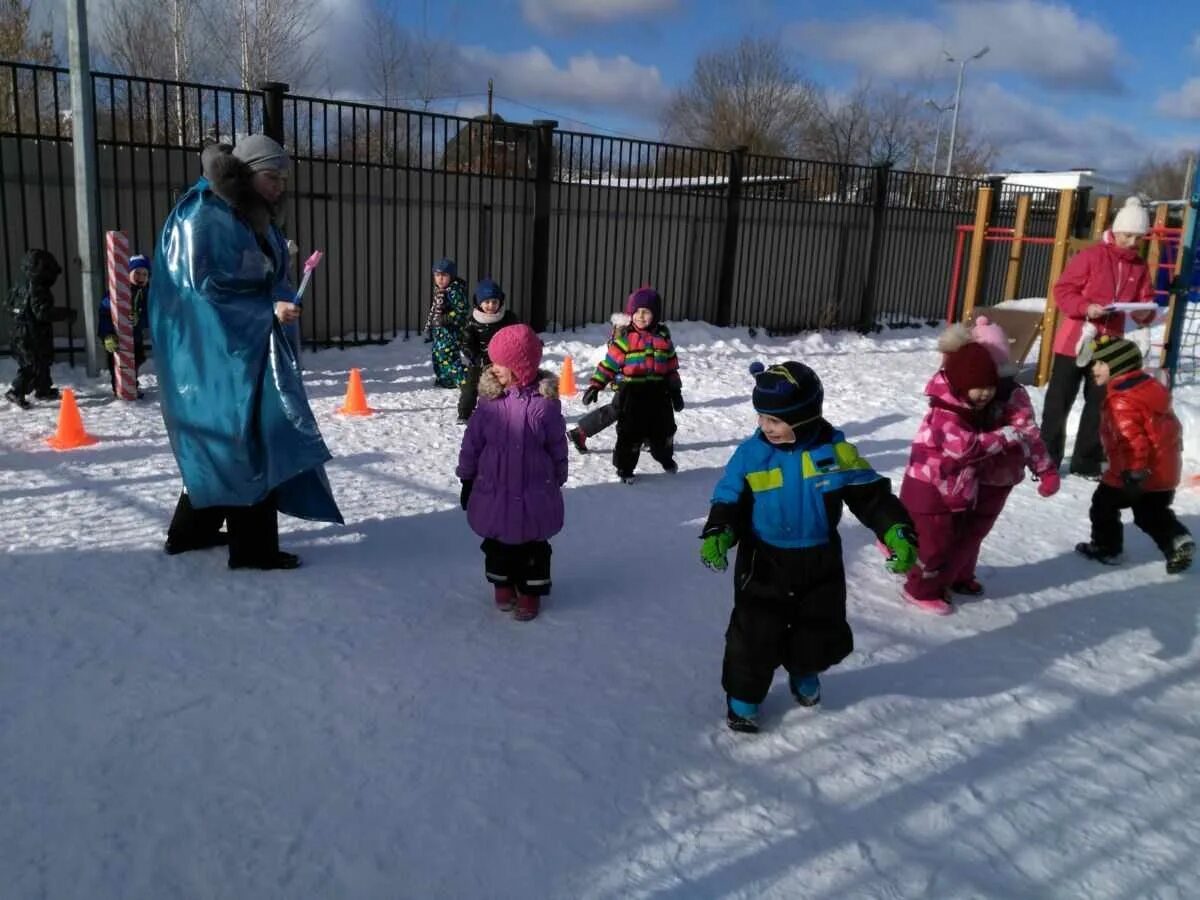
[
  {"x": 525, "y": 567},
  {"x": 646, "y": 417},
  {"x": 253, "y": 530},
  {"x": 1151, "y": 512},
  {"x": 1065, "y": 377}
]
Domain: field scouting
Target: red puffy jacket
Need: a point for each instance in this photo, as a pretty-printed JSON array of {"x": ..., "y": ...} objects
[
  {"x": 1100, "y": 274},
  {"x": 1139, "y": 431}
]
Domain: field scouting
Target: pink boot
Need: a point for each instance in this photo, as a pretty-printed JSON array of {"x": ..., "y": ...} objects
[
  {"x": 506, "y": 598},
  {"x": 936, "y": 605},
  {"x": 528, "y": 607}
]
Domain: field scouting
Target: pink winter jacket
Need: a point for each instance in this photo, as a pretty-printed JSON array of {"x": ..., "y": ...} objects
[
  {"x": 1100, "y": 274},
  {"x": 1007, "y": 468},
  {"x": 948, "y": 451}
]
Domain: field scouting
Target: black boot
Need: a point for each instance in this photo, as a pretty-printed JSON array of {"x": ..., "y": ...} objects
[
  {"x": 1181, "y": 555},
  {"x": 17, "y": 399}
]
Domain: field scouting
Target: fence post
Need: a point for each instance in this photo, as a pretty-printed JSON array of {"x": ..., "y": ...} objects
[
  {"x": 866, "y": 309},
  {"x": 1182, "y": 285},
  {"x": 539, "y": 281},
  {"x": 87, "y": 184},
  {"x": 273, "y": 92},
  {"x": 1058, "y": 261},
  {"x": 733, "y": 202},
  {"x": 1083, "y": 200},
  {"x": 1012, "y": 279},
  {"x": 983, "y": 215}
]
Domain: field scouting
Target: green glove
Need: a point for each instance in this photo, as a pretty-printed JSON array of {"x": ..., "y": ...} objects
[
  {"x": 714, "y": 549},
  {"x": 110, "y": 343},
  {"x": 902, "y": 544}
]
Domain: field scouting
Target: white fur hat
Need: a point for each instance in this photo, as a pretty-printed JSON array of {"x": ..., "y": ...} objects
[{"x": 1132, "y": 218}]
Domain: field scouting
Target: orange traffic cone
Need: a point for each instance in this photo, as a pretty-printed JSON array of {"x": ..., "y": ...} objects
[
  {"x": 356, "y": 397},
  {"x": 566, "y": 381},
  {"x": 70, "y": 433}
]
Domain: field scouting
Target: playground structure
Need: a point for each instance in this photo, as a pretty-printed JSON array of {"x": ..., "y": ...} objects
[{"x": 1166, "y": 252}]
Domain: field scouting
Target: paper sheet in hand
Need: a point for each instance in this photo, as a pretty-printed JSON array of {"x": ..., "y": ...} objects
[{"x": 1131, "y": 307}]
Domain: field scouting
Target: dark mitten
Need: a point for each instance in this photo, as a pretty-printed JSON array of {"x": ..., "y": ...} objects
[
  {"x": 1133, "y": 481},
  {"x": 677, "y": 401},
  {"x": 590, "y": 395},
  {"x": 464, "y": 496}
]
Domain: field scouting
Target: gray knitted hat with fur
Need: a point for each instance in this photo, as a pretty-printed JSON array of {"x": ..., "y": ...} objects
[{"x": 260, "y": 152}]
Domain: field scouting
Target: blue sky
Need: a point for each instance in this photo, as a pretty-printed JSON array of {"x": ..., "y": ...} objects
[{"x": 1065, "y": 84}]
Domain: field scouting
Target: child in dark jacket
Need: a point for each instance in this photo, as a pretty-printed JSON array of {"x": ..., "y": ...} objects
[
  {"x": 447, "y": 315},
  {"x": 32, "y": 337},
  {"x": 487, "y": 318},
  {"x": 139, "y": 283},
  {"x": 1143, "y": 442},
  {"x": 780, "y": 501},
  {"x": 513, "y": 464},
  {"x": 650, "y": 386}
]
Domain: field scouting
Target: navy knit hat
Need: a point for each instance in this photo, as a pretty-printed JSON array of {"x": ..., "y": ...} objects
[
  {"x": 447, "y": 265},
  {"x": 488, "y": 290},
  {"x": 138, "y": 262},
  {"x": 1119, "y": 354},
  {"x": 790, "y": 391},
  {"x": 644, "y": 298}
]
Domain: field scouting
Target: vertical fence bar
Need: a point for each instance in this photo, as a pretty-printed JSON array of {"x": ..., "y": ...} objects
[
  {"x": 540, "y": 258},
  {"x": 733, "y": 196},
  {"x": 1058, "y": 261},
  {"x": 879, "y": 206}
]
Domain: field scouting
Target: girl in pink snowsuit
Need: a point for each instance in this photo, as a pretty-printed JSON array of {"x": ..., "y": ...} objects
[
  {"x": 957, "y": 438},
  {"x": 999, "y": 474}
]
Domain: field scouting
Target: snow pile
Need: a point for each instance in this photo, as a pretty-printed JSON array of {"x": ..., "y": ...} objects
[{"x": 370, "y": 727}]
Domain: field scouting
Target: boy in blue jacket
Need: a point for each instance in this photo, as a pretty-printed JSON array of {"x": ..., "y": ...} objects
[
  {"x": 139, "y": 291},
  {"x": 780, "y": 501}
]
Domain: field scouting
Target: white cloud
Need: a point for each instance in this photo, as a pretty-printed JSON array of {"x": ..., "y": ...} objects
[
  {"x": 1183, "y": 103},
  {"x": 1030, "y": 135},
  {"x": 585, "y": 82},
  {"x": 1048, "y": 42},
  {"x": 554, "y": 15}
]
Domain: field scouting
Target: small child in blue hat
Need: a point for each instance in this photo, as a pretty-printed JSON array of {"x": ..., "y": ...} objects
[
  {"x": 780, "y": 501},
  {"x": 139, "y": 294}
]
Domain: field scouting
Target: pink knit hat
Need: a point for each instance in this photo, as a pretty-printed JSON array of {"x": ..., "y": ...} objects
[
  {"x": 992, "y": 337},
  {"x": 518, "y": 348}
]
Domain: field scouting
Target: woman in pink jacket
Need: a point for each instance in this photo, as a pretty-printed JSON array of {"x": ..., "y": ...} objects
[
  {"x": 941, "y": 484},
  {"x": 1095, "y": 278}
]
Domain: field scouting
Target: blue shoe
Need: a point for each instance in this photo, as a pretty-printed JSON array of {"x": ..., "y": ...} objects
[
  {"x": 806, "y": 689},
  {"x": 742, "y": 716}
]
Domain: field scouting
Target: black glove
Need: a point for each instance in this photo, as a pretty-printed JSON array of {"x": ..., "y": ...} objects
[
  {"x": 590, "y": 395},
  {"x": 465, "y": 494},
  {"x": 677, "y": 401},
  {"x": 1132, "y": 479}
]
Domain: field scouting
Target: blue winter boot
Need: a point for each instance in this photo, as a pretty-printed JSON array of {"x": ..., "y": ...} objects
[
  {"x": 742, "y": 716},
  {"x": 806, "y": 688}
]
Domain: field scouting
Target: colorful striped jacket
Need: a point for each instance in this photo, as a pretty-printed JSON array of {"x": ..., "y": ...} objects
[{"x": 639, "y": 356}]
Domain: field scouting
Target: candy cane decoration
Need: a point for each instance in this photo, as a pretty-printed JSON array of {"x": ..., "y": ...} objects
[
  {"x": 121, "y": 307},
  {"x": 309, "y": 265}
]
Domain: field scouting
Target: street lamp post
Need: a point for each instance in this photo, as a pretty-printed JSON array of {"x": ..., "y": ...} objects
[
  {"x": 962, "y": 65},
  {"x": 937, "y": 139}
]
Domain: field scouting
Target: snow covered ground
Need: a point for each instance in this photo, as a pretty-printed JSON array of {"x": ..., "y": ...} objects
[{"x": 370, "y": 727}]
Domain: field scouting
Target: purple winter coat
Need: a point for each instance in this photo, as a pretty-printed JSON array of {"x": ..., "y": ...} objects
[{"x": 515, "y": 450}]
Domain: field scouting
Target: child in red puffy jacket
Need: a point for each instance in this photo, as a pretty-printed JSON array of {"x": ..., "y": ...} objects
[{"x": 1143, "y": 441}]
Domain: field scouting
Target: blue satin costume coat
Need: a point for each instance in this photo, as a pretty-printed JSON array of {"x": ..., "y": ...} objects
[{"x": 231, "y": 392}]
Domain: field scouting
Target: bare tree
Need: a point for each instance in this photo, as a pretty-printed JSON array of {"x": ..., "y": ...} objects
[
  {"x": 1164, "y": 178},
  {"x": 747, "y": 95},
  {"x": 402, "y": 66},
  {"x": 267, "y": 40},
  {"x": 24, "y": 92}
]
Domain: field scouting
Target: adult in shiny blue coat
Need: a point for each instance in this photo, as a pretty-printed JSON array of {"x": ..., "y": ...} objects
[{"x": 232, "y": 398}]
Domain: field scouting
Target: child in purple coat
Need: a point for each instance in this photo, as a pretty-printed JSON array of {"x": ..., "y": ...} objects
[{"x": 513, "y": 464}]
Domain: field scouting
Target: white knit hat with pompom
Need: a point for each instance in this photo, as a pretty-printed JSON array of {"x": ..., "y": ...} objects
[{"x": 1132, "y": 218}]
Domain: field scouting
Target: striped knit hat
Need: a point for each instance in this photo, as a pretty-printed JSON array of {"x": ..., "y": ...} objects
[
  {"x": 790, "y": 391},
  {"x": 1119, "y": 354}
]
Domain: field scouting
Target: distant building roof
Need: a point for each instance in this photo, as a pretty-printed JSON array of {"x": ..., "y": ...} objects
[{"x": 1072, "y": 179}]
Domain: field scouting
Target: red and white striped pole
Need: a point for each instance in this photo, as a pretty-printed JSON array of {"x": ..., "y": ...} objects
[{"x": 121, "y": 306}]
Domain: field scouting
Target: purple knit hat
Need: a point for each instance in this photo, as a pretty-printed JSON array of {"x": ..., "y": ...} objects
[
  {"x": 644, "y": 298},
  {"x": 518, "y": 348}
]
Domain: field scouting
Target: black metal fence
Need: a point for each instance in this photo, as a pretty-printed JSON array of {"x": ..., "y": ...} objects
[{"x": 568, "y": 222}]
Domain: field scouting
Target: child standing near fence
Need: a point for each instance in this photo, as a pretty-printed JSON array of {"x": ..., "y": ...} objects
[
  {"x": 447, "y": 315},
  {"x": 651, "y": 391},
  {"x": 32, "y": 337},
  {"x": 139, "y": 283},
  {"x": 487, "y": 318},
  {"x": 513, "y": 464}
]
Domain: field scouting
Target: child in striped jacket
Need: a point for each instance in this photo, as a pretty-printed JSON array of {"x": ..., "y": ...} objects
[{"x": 651, "y": 392}]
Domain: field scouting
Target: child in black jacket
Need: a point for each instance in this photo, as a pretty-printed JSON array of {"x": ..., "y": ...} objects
[
  {"x": 487, "y": 317},
  {"x": 32, "y": 338}
]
